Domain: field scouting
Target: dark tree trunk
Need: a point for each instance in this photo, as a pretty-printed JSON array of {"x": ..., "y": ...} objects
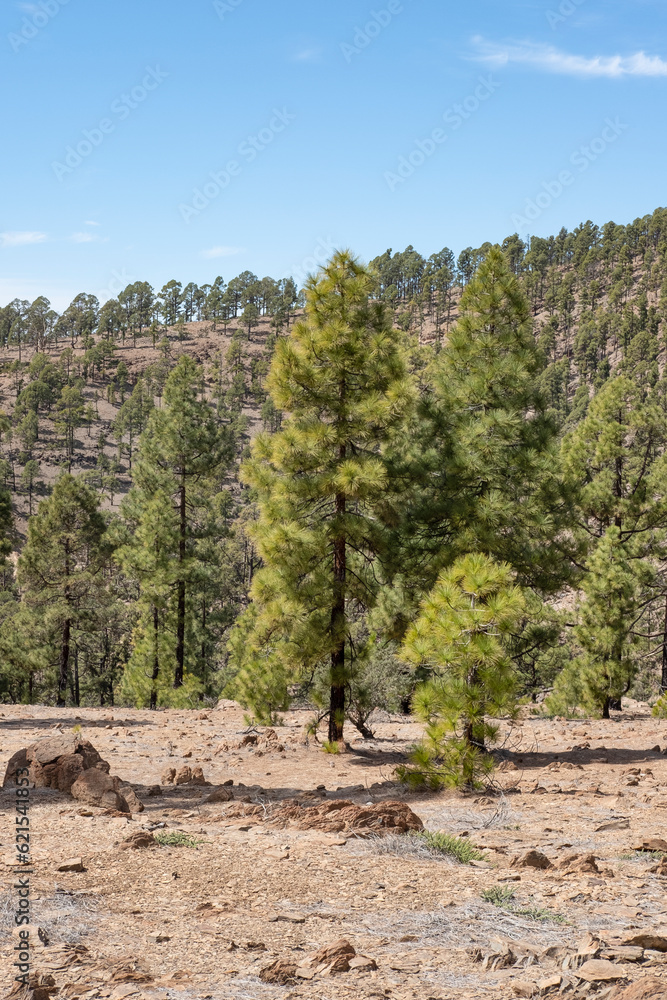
[
  {"x": 77, "y": 692},
  {"x": 606, "y": 708},
  {"x": 156, "y": 658},
  {"x": 338, "y": 623},
  {"x": 180, "y": 623},
  {"x": 64, "y": 663}
]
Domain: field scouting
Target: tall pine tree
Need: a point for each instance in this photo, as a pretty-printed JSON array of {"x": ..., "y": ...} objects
[
  {"x": 323, "y": 488},
  {"x": 180, "y": 460}
]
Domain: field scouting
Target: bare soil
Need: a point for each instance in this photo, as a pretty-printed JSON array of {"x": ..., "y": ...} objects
[{"x": 203, "y": 921}]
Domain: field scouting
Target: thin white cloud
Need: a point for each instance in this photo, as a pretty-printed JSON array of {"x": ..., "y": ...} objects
[
  {"x": 16, "y": 239},
  {"x": 84, "y": 238},
  {"x": 89, "y": 222},
  {"x": 552, "y": 60},
  {"x": 308, "y": 55},
  {"x": 220, "y": 252}
]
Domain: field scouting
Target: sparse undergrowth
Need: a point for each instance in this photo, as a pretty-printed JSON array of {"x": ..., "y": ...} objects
[
  {"x": 174, "y": 838},
  {"x": 503, "y": 896},
  {"x": 642, "y": 856},
  {"x": 455, "y": 847}
]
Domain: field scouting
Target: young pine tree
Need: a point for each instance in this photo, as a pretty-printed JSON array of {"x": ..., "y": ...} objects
[
  {"x": 616, "y": 464},
  {"x": 324, "y": 494},
  {"x": 614, "y": 587},
  {"x": 460, "y": 636}
]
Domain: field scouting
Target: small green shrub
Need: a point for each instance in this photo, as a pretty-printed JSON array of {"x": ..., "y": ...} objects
[
  {"x": 174, "y": 838},
  {"x": 330, "y": 747},
  {"x": 503, "y": 896},
  {"x": 456, "y": 847},
  {"x": 499, "y": 895}
]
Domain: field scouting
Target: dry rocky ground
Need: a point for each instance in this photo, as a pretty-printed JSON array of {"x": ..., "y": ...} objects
[{"x": 263, "y": 885}]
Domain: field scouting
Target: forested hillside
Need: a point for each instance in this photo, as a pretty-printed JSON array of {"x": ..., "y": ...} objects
[{"x": 507, "y": 407}]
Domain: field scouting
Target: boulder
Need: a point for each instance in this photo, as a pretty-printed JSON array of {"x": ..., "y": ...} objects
[
  {"x": 280, "y": 973},
  {"x": 49, "y": 750},
  {"x": 578, "y": 863},
  {"x": 198, "y": 777},
  {"x": 656, "y": 939},
  {"x": 183, "y": 776},
  {"x": 653, "y": 844},
  {"x": 56, "y": 762},
  {"x": 599, "y": 970},
  {"x": 71, "y": 865},
  {"x": 96, "y": 788},
  {"x": 132, "y": 799},
  {"x": 221, "y": 794},
  {"x": 336, "y": 956},
  {"x": 140, "y": 839},
  {"x": 168, "y": 776},
  {"x": 69, "y": 768},
  {"x": 16, "y": 763},
  {"x": 532, "y": 859}
]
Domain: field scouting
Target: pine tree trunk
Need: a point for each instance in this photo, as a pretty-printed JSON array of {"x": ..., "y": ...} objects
[
  {"x": 77, "y": 692},
  {"x": 663, "y": 684},
  {"x": 64, "y": 663},
  {"x": 156, "y": 659},
  {"x": 338, "y": 623},
  {"x": 65, "y": 644},
  {"x": 180, "y": 623}
]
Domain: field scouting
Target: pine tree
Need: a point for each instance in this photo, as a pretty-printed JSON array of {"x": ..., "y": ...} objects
[
  {"x": 461, "y": 636},
  {"x": 615, "y": 460},
  {"x": 322, "y": 484},
  {"x": 614, "y": 589},
  {"x": 61, "y": 570},
  {"x": 180, "y": 453},
  {"x": 479, "y": 462}
]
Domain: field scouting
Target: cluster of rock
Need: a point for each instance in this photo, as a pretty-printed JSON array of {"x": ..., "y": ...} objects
[
  {"x": 341, "y": 815},
  {"x": 266, "y": 742},
  {"x": 593, "y": 961},
  {"x": 72, "y": 765},
  {"x": 184, "y": 776},
  {"x": 328, "y": 960}
]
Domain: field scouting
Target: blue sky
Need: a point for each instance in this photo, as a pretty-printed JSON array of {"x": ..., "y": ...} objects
[{"x": 169, "y": 139}]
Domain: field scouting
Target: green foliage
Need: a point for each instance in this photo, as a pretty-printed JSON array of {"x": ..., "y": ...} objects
[
  {"x": 459, "y": 848},
  {"x": 504, "y": 897},
  {"x": 660, "y": 708},
  {"x": 175, "y": 838},
  {"x": 324, "y": 495},
  {"x": 62, "y": 571},
  {"x": 606, "y": 668},
  {"x": 499, "y": 895},
  {"x": 173, "y": 518},
  {"x": 461, "y": 636}
]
